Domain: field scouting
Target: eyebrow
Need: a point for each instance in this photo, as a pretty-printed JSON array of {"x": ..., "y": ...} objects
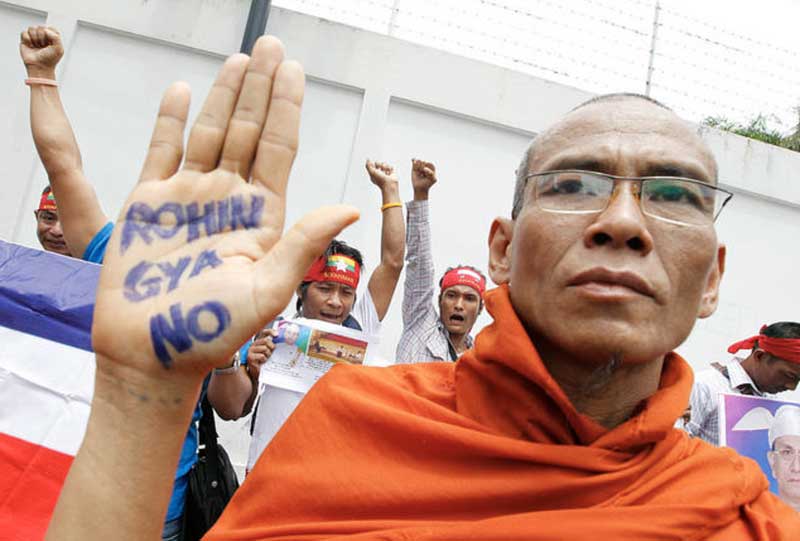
[
  {"x": 676, "y": 170},
  {"x": 661, "y": 169}
]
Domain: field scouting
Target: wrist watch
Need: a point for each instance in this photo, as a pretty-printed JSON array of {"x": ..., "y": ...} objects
[{"x": 234, "y": 366}]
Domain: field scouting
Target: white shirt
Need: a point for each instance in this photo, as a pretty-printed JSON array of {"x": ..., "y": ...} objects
[
  {"x": 275, "y": 405},
  {"x": 704, "y": 400}
]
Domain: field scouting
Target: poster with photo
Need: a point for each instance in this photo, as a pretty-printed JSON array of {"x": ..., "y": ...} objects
[
  {"x": 768, "y": 431},
  {"x": 306, "y": 349}
]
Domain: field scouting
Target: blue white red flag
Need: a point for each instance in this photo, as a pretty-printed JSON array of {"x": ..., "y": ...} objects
[{"x": 46, "y": 380}]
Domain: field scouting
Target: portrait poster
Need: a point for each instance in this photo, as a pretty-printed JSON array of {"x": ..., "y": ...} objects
[
  {"x": 306, "y": 349},
  {"x": 761, "y": 429}
]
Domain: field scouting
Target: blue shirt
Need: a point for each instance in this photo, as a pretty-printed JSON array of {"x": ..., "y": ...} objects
[
  {"x": 95, "y": 252},
  {"x": 96, "y": 249}
]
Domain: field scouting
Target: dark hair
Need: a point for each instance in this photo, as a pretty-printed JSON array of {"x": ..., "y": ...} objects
[
  {"x": 47, "y": 190},
  {"x": 335, "y": 247},
  {"x": 524, "y": 164},
  {"x": 781, "y": 329}
]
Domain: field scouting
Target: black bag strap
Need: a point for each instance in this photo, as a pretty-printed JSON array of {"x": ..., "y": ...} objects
[
  {"x": 208, "y": 439},
  {"x": 744, "y": 388},
  {"x": 722, "y": 370}
]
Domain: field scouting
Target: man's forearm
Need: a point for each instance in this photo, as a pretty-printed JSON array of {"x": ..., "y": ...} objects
[
  {"x": 125, "y": 467},
  {"x": 78, "y": 207},
  {"x": 419, "y": 282},
  {"x": 52, "y": 132},
  {"x": 384, "y": 278},
  {"x": 393, "y": 230},
  {"x": 229, "y": 394}
]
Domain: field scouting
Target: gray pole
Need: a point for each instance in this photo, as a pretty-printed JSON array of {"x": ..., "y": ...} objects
[
  {"x": 256, "y": 23},
  {"x": 656, "y": 13}
]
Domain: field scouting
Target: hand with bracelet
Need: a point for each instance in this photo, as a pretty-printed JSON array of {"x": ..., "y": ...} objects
[{"x": 41, "y": 48}]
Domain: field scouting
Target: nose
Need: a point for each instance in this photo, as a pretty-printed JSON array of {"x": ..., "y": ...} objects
[
  {"x": 621, "y": 224},
  {"x": 334, "y": 299},
  {"x": 56, "y": 229},
  {"x": 459, "y": 304}
]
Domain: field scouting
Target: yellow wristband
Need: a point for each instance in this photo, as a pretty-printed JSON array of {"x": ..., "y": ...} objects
[{"x": 390, "y": 205}]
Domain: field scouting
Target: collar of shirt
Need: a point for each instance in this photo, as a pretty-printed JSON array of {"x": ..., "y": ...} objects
[
  {"x": 468, "y": 341},
  {"x": 739, "y": 376}
]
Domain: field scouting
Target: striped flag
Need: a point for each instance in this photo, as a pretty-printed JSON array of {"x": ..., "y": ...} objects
[{"x": 46, "y": 380}]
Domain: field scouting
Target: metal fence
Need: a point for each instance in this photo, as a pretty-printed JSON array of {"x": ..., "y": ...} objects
[{"x": 697, "y": 67}]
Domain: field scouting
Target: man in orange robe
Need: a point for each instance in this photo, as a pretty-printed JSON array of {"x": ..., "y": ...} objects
[{"x": 556, "y": 425}]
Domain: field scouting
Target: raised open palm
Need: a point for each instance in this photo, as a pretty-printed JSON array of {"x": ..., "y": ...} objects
[{"x": 198, "y": 263}]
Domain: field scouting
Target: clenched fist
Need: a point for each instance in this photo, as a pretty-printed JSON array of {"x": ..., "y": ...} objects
[{"x": 41, "y": 49}]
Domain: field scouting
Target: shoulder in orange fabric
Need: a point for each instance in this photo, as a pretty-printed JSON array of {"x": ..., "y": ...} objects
[{"x": 489, "y": 449}]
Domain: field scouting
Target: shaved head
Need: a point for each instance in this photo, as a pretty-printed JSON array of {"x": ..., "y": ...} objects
[{"x": 617, "y": 109}]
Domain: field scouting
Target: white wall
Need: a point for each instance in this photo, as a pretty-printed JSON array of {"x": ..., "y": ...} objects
[{"x": 368, "y": 96}]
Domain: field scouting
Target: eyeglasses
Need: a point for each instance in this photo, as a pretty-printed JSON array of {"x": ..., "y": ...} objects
[
  {"x": 675, "y": 200},
  {"x": 787, "y": 454}
]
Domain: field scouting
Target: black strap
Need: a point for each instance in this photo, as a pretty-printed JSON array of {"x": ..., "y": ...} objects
[
  {"x": 208, "y": 438},
  {"x": 452, "y": 351}
]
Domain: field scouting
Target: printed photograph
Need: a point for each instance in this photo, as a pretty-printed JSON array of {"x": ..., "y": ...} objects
[
  {"x": 768, "y": 431},
  {"x": 336, "y": 348}
]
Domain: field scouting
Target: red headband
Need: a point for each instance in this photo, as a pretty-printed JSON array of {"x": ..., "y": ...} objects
[
  {"x": 47, "y": 201},
  {"x": 787, "y": 349},
  {"x": 464, "y": 276},
  {"x": 334, "y": 268}
]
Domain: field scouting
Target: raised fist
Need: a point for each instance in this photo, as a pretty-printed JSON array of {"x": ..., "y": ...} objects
[
  {"x": 423, "y": 175},
  {"x": 380, "y": 173},
  {"x": 40, "y": 48}
]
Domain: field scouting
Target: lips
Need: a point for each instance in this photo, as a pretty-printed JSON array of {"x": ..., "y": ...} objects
[
  {"x": 605, "y": 276},
  {"x": 330, "y": 318},
  {"x": 56, "y": 243},
  {"x": 457, "y": 317}
]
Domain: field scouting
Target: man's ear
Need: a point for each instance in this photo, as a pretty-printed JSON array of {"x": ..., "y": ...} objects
[
  {"x": 710, "y": 299},
  {"x": 500, "y": 250}
]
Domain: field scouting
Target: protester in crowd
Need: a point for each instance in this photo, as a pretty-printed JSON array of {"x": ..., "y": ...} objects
[
  {"x": 428, "y": 335},
  {"x": 327, "y": 293},
  {"x": 772, "y": 366},
  {"x": 48, "y": 226},
  {"x": 784, "y": 455},
  {"x": 572, "y": 438},
  {"x": 85, "y": 227}
]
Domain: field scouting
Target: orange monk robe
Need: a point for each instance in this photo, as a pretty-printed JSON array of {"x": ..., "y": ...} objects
[{"x": 490, "y": 448}]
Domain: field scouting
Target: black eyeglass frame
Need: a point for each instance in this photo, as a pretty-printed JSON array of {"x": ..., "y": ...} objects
[{"x": 641, "y": 180}]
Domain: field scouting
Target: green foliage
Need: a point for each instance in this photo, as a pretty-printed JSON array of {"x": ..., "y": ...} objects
[{"x": 758, "y": 129}]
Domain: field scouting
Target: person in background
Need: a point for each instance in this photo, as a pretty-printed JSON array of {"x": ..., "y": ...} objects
[
  {"x": 86, "y": 228},
  {"x": 772, "y": 366},
  {"x": 428, "y": 334},
  {"x": 48, "y": 226},
  {"x": 328, "y": 293}
]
